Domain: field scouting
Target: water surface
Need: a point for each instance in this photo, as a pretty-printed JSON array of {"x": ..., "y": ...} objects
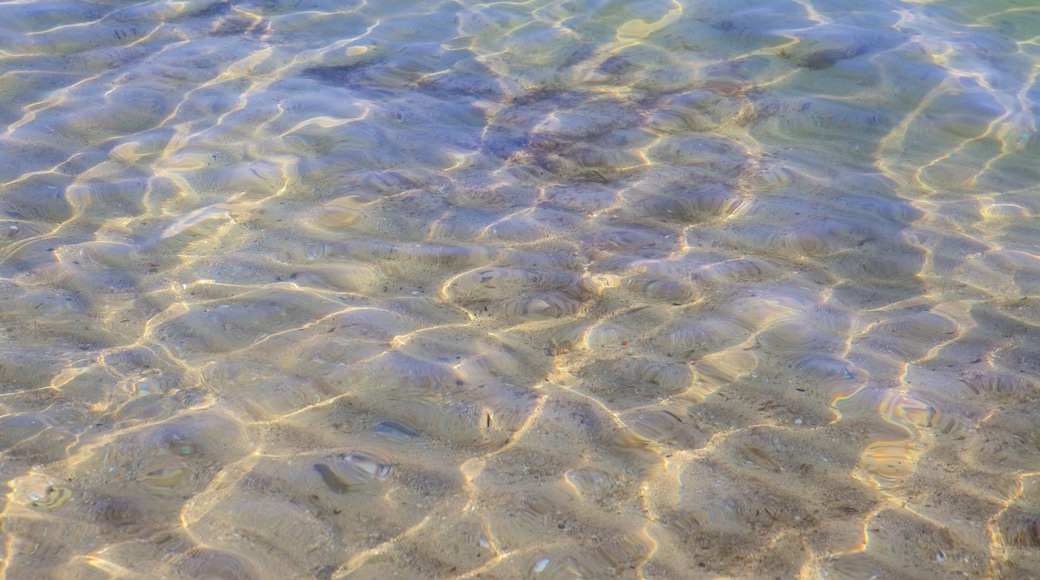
[{"x": 544, "y": 289}]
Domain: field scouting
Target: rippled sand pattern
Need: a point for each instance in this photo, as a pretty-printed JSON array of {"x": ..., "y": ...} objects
[{"x": 551, "y": 289}]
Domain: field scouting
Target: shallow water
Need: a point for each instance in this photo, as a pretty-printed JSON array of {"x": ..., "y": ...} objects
[{"x": 552, "y": 289}]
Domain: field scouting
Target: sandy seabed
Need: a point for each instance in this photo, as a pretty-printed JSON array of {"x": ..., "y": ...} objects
[{"x": 578, "y": 289}]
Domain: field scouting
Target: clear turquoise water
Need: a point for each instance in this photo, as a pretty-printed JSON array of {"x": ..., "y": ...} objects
[{"x": 577, "y": 289}]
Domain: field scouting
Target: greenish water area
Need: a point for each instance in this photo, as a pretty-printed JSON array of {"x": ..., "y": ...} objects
[{"x": 519, "y": 289}]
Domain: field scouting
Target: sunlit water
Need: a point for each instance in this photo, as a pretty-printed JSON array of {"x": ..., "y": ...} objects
[{"x": 550, "y": 289}]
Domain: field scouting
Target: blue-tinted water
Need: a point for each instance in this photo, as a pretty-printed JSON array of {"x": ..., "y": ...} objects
[{"x": 549, "y": 289}]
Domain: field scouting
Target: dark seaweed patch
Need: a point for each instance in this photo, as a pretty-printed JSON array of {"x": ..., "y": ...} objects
[
  {"x": 335, "y": 75},
  {"x": 827, "y": 58}
]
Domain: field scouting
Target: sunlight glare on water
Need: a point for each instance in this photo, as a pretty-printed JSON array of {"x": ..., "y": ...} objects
[{"x": 546, "y": 289}]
